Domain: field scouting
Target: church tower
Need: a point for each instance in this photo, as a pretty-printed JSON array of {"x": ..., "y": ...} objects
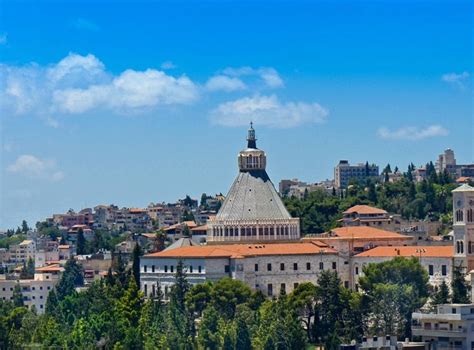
[
  {"x": 463, "y": 226},
  {"x": 252, "y": 210}
]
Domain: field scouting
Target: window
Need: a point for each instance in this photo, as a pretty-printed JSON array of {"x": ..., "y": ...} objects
[
  {"x": 282, "y": 267},
  {"x": 190, "y": 269},
  {"x": 334, "y": 265},
  {"x": 256, "y": 267},
  {"x": 430, "y": 270},
  {"x": 321, "y": 265},
  {"x": 453, "y": 310},
  {"x": 346, "y": 284},
  {"x": 269, "y": 289},
  {"x": 295, "y": 266},
  {"x": 199, "y": 269},
  {"x": 357, "y": 270},
  {"x": 166, "y": 268},
  {"x": 226, "y": 268},
  {"x": 295, "y": 285},
  {"x": 152, "y": 268},
  {"x": 171, "y": 268},
  {"x": 145, "y": 289},
  {"x": 144, "y": 268},
  {"x": 269, "y": 267},
  {"x": 444, "y": 269},
  {"x": 283, "y": 288},
  {"x": 459, "y": 215},
  {"x": 308, "y": 266}
]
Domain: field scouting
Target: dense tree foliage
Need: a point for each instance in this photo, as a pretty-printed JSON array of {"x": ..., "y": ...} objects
[{"x": 428, "y": 199}]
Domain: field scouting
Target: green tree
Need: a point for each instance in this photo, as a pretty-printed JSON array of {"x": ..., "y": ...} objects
[
  {"x": 459, "y": 287},
  {"x": 80, "y": 243},
  {"x": 209, "y": 337},
  {"x": 137, "y": 252},
  {"x": 17, "y": 296},
  {"x": 24, "y": 227},
  {"x": 303, "y": 301},
  {"x": 440, "y": 294},
  {"x": 198, "y": 297},
  {"x": 227, "y": 293}
]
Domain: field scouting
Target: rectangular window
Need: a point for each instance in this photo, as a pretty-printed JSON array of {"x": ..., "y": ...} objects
[
  {"x": 269, "y": 267},
  {"x": 283, "y": 288},
  {"x": 152, "y": 268},
  {"x": 430, "y": 270},
  {"x": 199, "y": 269},
  {"x": 166, "y": 268},
  {"x": 295, "y": 266},
  {"x": 226, "y": 269},
  {"x": 256, "y": 267},
  {"x": 171, "y": 268},
  {"x": 190, "y": 269},
  {"x": 334, "y": 266},
  {"x": 346, "y": 284},
  {"x": 444, "y": 270},
  {"x": 282, "y": 267},
  {"x": 144, "y": 268},
  {"x": 269, "y": 290},
  {"x": 145, "y": 289},
  {"x": 357, "y": 270},
  {"x": 321, "y": 265},
  {"x": 295, "y": 285},
  {"x": 308, "y": 266}
]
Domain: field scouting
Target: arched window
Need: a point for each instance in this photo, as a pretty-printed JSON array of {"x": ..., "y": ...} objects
[
  {"x": 459, "y": 215},
  {"x": 462, "y": 247},
  {"x": 458, "y": 247},
  {"x": 470, "y": 217}
]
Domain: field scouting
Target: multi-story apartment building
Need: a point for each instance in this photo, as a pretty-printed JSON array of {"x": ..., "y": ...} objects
[
  {"x": 35, "y": 291},
  {"x": 344, "y": 173},
  {"x": 450, "y": 327},
  {"x": 22, "y": 251}
]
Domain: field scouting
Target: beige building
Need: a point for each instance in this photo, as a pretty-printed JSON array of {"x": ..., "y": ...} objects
[
  {"x": 463, "y": 226},
  {"x": 266, "y": 267},
  {"x": 450, "y": 327},
  {"x": 344, "y": 173},
  {"x": 22, "y": 251},
  {"x": 35, "y": 291},
  {"x": 437, "y": 261}
]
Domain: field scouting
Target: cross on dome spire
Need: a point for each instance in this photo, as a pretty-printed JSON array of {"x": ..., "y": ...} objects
[{"x": 251, "y": 140}]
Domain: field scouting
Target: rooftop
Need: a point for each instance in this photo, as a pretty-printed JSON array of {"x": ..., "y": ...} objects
[
  {"x": 464, "y": 188},
  {"x": 361, "y": 233},
  {"x": 245, "y": 250},
  {"x": 410, "y": 251},
  {"x": 364, "y": 209}
]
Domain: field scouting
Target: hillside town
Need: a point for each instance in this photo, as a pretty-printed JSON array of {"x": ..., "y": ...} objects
[{"x": 249, "y": 235}]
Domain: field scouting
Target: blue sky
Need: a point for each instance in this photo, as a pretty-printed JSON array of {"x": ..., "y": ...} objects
[{"x": 147, "y": 101}]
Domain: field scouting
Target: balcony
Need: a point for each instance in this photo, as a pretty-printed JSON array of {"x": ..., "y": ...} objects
[{"x": 438, "y": 332}]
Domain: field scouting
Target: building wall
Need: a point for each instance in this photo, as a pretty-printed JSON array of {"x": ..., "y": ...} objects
[
  {"x": 35, "y": 291},
  {"x": 435, "y": 279}
]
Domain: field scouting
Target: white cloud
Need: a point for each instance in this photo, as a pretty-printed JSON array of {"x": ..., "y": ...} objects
[
  {"x": 78, "y": 84},
  {"x": 224, "y": 83},
  {"x": 455, "y": 78},
  {"x": 34, "y": 167},
  {"x": 268, "y": 75},
  {"x": 168, "y": 65},
  {"x": 412, "y": 133},
  {"x": 3, "y": 38},
  {"x": 269, "y": 111}
]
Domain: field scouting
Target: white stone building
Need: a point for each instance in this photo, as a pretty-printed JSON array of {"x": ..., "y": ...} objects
[
  {"x": 22, "y": 251},
  {"x": 450, "y": 327},
  {"x": 436, "y": 260},
  {"x": 266, "y": 267},
  {"x": 344, "y": 173},
  {"x": 463, "y": 226}
]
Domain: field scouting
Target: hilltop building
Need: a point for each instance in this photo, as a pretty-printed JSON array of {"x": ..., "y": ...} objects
[
  {"x": 344, "y": 173},
  {"x": 463, "y": 226},
  {"x": 252, "y": 210}
]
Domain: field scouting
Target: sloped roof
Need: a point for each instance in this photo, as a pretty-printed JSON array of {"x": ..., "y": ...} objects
[
  {"x": 252, "y": 197},
  {"x": 361, "y": 233},
  {"x": 464, "y": 188},
  {"x": 409, "y": 251},
  {"x": 244, "y": 250},
  {"x": 180, "y": 243},
  {"x": 364, "y": 209}
]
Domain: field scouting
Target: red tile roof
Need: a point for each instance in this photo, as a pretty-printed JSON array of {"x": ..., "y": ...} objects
[
  {"x": 408, "y": 251},
  {"x": 364, "y": 209},
  {"x": 245, "y": 250}
]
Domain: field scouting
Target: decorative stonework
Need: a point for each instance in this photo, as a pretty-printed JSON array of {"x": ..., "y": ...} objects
[{"x": 252, "y": 210}]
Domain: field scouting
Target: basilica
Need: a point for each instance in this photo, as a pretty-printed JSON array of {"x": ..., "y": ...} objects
[{"x": 252, "y": 210}]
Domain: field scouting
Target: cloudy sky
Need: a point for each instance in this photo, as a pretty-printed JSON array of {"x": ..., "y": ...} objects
[{"x": 138, "y": 102}]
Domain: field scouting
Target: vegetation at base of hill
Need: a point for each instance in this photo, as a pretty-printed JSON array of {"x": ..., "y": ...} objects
[
  {"x": 430, "y": 199},
  {"x": 113, "y": 313}
]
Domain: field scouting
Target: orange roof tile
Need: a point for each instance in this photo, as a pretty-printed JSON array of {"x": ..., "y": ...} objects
[
  {"x": 463, "y": 179},
  {"x": 63, "y": 246},
  {"x": 136, "y": 210},
  {"x": 364, "y": 209},
  {"x": 50, "y": 268},
  {"x": 244, "y": 250},
  {"x": 200, "y": 228},
  {"x": 190, "y": 224},
  {"x": 408, "y": 251},
  {"x": 365, "y": 232}
]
